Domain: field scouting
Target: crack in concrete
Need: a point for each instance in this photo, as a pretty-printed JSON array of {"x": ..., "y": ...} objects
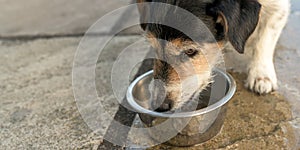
[
  {"x": 52, "y": 36},
  {"x": 39, "y": 36}
]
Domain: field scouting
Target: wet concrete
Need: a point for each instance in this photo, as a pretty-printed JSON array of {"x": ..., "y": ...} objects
[
  {"x": 38, "y": 110},
  {"x": 286, "y": 59},
  {"x": 252, "y": 122}
]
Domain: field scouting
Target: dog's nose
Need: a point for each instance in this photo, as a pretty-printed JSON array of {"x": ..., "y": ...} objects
[{"x": 165, "y": 106}]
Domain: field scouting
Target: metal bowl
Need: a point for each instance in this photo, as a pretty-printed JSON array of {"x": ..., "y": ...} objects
[{"x": 183, "y": 128}]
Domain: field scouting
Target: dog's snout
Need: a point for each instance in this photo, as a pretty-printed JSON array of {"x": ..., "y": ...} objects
[
  {"x": 165, "y": 106},
  {"x": 158, "y": 93},
  {"x": 160, "y": 101}
]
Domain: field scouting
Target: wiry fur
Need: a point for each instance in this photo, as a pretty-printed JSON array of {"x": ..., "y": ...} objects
[{"x": 249, "y": 25}]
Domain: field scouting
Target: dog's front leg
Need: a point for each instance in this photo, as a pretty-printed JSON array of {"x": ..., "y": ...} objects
[{"x": 261, "y": 73}]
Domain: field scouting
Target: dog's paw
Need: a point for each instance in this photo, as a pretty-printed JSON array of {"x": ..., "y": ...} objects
[{"x": 261, "y": 80}]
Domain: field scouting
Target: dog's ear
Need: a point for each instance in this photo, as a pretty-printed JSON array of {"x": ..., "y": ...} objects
[{"x": 238, "y": 18}]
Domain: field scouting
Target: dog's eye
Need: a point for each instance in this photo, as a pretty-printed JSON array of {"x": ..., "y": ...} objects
[{"x": 190, "y": 52}]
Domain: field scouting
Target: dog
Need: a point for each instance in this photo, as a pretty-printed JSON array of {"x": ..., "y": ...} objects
[{"x": 251, "y": 26}]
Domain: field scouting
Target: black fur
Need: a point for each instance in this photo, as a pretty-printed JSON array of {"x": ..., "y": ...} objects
[
  {"x": 167, "y": 14},
  {"x": 241, "y": 15},
  {"x": 242, "y": 18}
]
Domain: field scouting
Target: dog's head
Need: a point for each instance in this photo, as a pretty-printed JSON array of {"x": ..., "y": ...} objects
[{"x": 183, "y": 66}]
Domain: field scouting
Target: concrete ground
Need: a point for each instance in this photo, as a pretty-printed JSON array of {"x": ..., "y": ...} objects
[{"x": 38, "y": 41}]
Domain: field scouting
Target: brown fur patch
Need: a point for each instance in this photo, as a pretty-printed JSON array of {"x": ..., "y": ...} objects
[
  {"x": 173, "y": 76},
  {"x": 177, "y": 42},
  {"x": 140, "y": 1},
  {"x": 157, "y": 68},
  {"x": 180, "y": 67},
  {"x": 153, "y": 40},
  {"x": 197, "y": 65}
]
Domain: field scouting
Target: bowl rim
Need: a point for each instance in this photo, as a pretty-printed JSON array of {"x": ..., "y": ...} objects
[{"x": 138, "y": 108}]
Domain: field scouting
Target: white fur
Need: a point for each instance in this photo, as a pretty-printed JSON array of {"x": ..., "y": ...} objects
[
  {"x": 187, "y": 87},
  {"x": 261, "y": 45}
]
